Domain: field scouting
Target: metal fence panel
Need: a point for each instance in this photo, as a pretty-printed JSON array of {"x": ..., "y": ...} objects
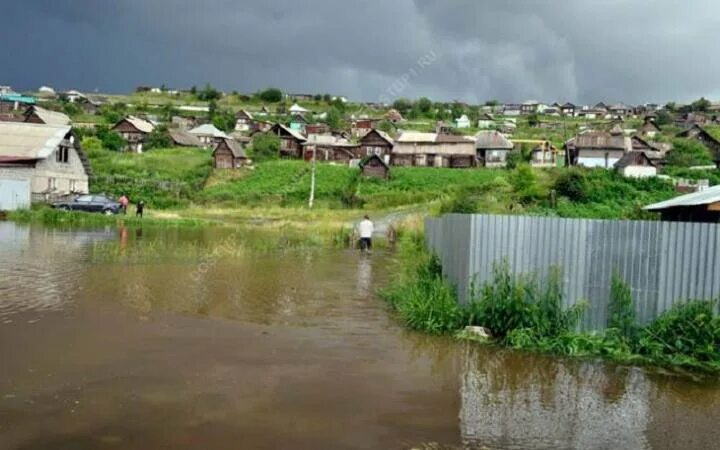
[{"x": 662, "y": 262}]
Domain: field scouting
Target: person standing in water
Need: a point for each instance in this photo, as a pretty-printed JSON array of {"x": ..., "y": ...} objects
[
  {"x": 365, "y": 229},
  {"x": 139, "y": 209}
]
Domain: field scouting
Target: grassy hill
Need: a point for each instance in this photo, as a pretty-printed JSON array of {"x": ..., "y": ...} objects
[{"x": 177, "y": 178}]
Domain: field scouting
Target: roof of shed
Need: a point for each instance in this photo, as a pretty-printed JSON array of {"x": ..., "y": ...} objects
[
  {"x": 492, "y": 139},
  {"x": 142, "y": 125},
  {"x": 710, "y": 195},
  {"x": 182, "y": 137},
  {"x": 208, "y": 129},
  {"x": 234, "y": 146}
]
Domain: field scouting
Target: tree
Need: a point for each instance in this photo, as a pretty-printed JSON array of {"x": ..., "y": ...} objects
[
  {"x": 533, "y": 120},
  {"x": 224, "y": 120},
  {"x": 492, "y": 103},
  {"x": 334, "y": 118},
  {"x": 671, "y": 106},
  {"x": 71, "y": 109},
  {"x": 700, "y": 105},
  {"x": 193, "y": 90},
  {"x": 158, "y": 138},
  {"x": 271, "y": 95},
  {"x": 386, "y": 126},
  {"x": 403, "y": 105},
  {"x": 317, "y": 97},
  {"x": 167, "y": 111},
  {"x": 688, "y": 153},
  {"x": 424, "y": 105},
  {"x": 457, "y": 110},
  {"x": 327, "y": 98},
  {"x": 264, "y": 147},
  {"x": 208, "y": 93},
  {"x": 663, "y": 118},
  {"x": 110, "y": 139}
]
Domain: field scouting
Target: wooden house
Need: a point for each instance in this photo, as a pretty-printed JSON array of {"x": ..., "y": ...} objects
[
  {"x": 184, "y": 123},
  {"x": 291, "y": 141},
  {"x": 598, "y": 148},
  {"x": 329, "y": 148},
  {"x": 182, "y": 138},
  {"x": 374, "y": 166},
  {"x": 208, "y": 134},
  {"x": 492, "y": 148},
  {"x": 433, "y": 150},
  {"x": 42, "y": 162},
  {"x": 360, "y": 127},
  {"x": 688, "y": 120},
  {"x": 378, "y": 143},
  {"x": 653, "y": 150},
  {"x": 298, "y": 123},
  {"x": 243, "y": 121},
  {"x": 36, "y": 114},
  {"x": 512, "y": 109},
  {"x": 529, "y": 107},
  {"x": 543, "y": 155},
  {"x": 135, "y": 132},
  {"x": 568, "y": 109},
  {"x": 649, "y": 129},
  {"x": 317, "y": 128},
  {"x": 635, "y": 164},
  {"x": 619, "y": 110},
  {"x": 229, "y": 154}
]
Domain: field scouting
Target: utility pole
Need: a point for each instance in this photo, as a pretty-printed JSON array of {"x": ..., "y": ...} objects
[{"x": 312, "y": 179}]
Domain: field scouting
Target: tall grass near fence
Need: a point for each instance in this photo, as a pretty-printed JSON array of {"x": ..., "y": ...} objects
[{"x": 526, "y": 313}]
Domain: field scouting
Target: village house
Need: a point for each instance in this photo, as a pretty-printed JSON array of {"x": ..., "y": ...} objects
[
  {"x": 619, "y": 110},
  {"x": 378, "y": 143},
  {"x": 329, "y": 148},
  {"x": 433, "y": 150},
  {"x": 598, "y": 148},
  {"x": 374, "y": 166},
  {"x": 492, "y": 148},
  {"x": 208, "y": 134},
  {"x": 36, "y": 114},
  {"x": 297, "y": 109},
  {"x": 486, "y": 121},
  {"x": 261, "y": 126},
  {"x": 298, "y": 123},
  {"x": 41, "y": 162},
  {"x": 291, "y": 141},
  {"x": 360, "y": 127},
  {"x": 649, "y": 129},
  {"x": 543, "y": 155},
  {"x": 568, "y": 109},
  {"x": 635, "y": 164},
  {"x": 653, "y": 150},
  {"x": 135, "y": 132},
  {"x": 317, "y": 128},
  {"x": 184, "y": 123},
  {"x": 243, "y": 121},
  {"x": 229, "y": 154},
  {"x": 529, "y": 107},
  {"x": 183, "y": 138},
  {"x": 511, "y": 109},
  {"x": 462, "y": 122},
  {"x": 687, "y": 120}
]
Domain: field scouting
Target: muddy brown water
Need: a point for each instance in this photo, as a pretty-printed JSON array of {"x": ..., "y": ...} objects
[{"x": 198, "y": 349}]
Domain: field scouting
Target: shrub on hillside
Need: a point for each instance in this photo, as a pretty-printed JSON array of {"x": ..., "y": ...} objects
[
  {"x": 688, "y": 153},
  {"x": 265, "y": 147},
  {"x": 271, "y": 95}
]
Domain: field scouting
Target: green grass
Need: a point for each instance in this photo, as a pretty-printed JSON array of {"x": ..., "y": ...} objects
[{"x": 161, "y": 177}]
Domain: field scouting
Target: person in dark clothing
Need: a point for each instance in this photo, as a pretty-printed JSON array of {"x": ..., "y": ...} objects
[{"x": 139, "y": 209}]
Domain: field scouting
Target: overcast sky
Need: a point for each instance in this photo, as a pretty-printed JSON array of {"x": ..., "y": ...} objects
[{"x": 472, "y": 50}]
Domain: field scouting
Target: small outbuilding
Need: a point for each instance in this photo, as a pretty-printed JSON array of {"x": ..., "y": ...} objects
[
  {"x": 135, "y": 132},
  {"x": 701, "y": 206},
  {"x": 208, "y": 134},
  {"x": 182, "y": 138},
  {"x": 636, "y": 164},
  {"x": 229, "y": 154},
  {"x": 374, "y": 166},
  {"x": 492, "y": 148}
]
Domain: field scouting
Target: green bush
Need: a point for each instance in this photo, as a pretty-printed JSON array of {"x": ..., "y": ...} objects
[
  {"x": 687, "y": 153},
  {"x": 265, "y": 147}
]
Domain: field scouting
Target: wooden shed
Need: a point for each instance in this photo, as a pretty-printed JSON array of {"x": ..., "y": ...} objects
[
  {"x": 701, "y": 206},
  {"x": 135, "y": 131},
  {"x": 374, "y": 166},
  {"x": 229, "y": 154}
]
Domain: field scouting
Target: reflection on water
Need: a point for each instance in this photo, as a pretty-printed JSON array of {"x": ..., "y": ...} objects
[{"x": 172, "y": 338}]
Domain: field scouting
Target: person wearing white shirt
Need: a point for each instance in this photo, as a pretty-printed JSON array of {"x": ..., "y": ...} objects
[{"x": 365, "y": 229}]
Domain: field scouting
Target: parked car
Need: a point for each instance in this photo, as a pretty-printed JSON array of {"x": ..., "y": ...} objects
[{"x": 90, "y": 203}]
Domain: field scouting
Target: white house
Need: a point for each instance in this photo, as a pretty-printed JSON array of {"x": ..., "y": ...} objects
[
  {"x": 462, "y": 122},
  {"x": 636, "y": 165},
  {"x": 297, "y": 109},
  {"x": 40, "y": 161}
]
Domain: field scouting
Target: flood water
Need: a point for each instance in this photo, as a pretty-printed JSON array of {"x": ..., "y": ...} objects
[{"x": 155, "y": 339}]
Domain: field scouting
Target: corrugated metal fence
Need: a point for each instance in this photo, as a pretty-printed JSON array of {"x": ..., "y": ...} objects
[{"x": 662, "y": 262}]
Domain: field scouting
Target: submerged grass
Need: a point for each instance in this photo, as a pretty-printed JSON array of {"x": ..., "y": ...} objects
[{"x": 525, "y": 313}]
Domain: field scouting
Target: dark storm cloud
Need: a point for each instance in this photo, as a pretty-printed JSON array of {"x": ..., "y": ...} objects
[{"x": 581, "y": 50}]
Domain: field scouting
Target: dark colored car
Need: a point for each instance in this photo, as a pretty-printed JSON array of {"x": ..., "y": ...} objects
[{"x": 90, "y": 203}]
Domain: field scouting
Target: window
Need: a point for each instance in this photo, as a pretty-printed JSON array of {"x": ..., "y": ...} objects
[
  {"x": 51, "y": 184},
  {"x": 62, "y": 155},
  {"x": 85, "y": 198}
]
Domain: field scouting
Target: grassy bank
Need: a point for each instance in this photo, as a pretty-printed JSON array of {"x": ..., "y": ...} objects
[{"x": 524, "y": 313}]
